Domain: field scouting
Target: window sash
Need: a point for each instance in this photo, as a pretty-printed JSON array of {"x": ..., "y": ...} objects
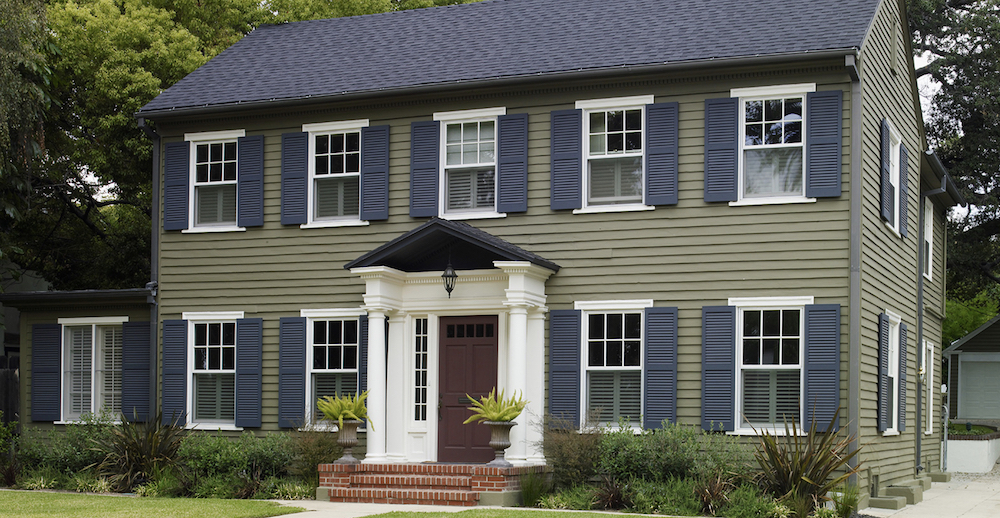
[
  {"x": 470, "y": 189},
  {"x": 333, "y": 346},
  {"x": 613, "y": 395},
  {"x": 215, "y": 397},
  {"x": 215, "y": 162},
  {"x": 92, "y": 370},
  {"x": 334, "y": 384},
  {"x": 337, "y": 196},
  {"x": 769, "y": 392},
  {"x": 215, "y": 204},
  {"x": 772, "y": 169}
]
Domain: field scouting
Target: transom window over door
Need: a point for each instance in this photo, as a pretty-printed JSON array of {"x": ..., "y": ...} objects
[
  {"x": 614, "y": 366},
  {"x": 92, "y": 370},
  {"x": 470, "y": 166},
  {"x": 214, "y": 372},
  {"x": 215, "y": 183},
  {"x": 334, "y": 359},
  {"x": 770, "y": 378}
]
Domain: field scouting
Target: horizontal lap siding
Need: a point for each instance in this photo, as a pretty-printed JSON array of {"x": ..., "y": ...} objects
[{"x": 688, "y": 255}]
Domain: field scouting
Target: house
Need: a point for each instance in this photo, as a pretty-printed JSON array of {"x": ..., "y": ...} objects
[
  {"x": 654, "y": 213},
  {"x": 973, "y": 364}
]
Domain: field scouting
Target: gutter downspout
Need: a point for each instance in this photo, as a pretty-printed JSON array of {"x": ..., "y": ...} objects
[
  {"x": 854, "y": 301},
  {"x": 154, "y": 265}
]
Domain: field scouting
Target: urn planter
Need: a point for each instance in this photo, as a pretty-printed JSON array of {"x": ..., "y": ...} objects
[
  {"x": 347, "y": 438},
  {"x": 499, "y": 441}
]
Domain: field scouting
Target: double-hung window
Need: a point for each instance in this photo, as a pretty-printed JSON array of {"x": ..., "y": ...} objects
[
  {"x": 214, "y": 182},
  {"x": 614, "y": 151},
  {"x": 927, "y": 377},
  {"x": 468, "y": 184},
  {"x": 614, "y": 366},
  {"x": 894, "y": 199},
  {"x": 892, "y": 358},
  {"x": 770, "y": 365},
  {"x": 928, "y": 240},
  {"x": 333, "y": 359},
  {"x": 334, "y": 172},
  {"x": 91, "y": 367},
  {"x": 214, "y": 372}
]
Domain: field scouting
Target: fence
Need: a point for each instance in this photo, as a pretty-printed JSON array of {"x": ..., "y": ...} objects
[{"x": 9, "y": 389}]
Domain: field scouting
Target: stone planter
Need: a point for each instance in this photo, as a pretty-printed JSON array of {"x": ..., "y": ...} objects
[
  {"x": 499, "y": 441},
  {"x": 347, "y": 438}
]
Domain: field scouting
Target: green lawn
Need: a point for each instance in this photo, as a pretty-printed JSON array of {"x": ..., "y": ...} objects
[
  {"x": 40, "y": 504},
  {"x": 493, "y": 513}
]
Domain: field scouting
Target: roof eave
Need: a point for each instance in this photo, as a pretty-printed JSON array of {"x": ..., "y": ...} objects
[{"x": 580, "y": 74}]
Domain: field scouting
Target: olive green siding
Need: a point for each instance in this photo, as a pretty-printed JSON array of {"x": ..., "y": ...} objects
[{"x": 51, "y": 315}]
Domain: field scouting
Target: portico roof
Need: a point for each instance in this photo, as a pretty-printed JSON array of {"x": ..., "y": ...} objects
[{"x": 430, "y": 246}]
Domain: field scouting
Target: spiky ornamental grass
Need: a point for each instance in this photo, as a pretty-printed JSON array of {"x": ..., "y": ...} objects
[
  {"x": 137, "y": 451},
  {"x": 494, "y": 408},
  {"x": 799, "y": 469}
]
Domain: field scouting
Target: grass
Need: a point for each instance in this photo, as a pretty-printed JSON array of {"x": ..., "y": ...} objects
[
  {"x": 32, "y": 504},
  {"x": 491, "y": 513}
]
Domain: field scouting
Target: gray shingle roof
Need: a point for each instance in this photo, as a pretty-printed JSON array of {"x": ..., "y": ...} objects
[{"x": 507, "y": 39}]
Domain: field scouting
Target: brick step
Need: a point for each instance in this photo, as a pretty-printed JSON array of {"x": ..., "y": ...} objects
[
  {"x": 404, "y": 496},
  {"x": 422, "y": 481}
]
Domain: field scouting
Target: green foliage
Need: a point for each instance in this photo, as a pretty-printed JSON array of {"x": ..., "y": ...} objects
[
  {"x": 312, "y": 447},
  {"x": 10, "y": 465},
  {"x": 90, "y": 482},
  {"x": 204, "y": 455},
  {"x": 138, "y": 450},
  {"x": 965, "y": 316},
  {"x": 534, "y": 486},
  {"x": 70, "y": 450},
  {"x": 580, "y": 497},
  {"x": 673, "y": 496},
  {"x": 612, "y": 493},
  {"x": 724, "y": 455},
  {"x": 960, "y": 429},
  {"x": 655, "y": 455},
  {"x": 495, "y": 407},
  {"x": 747, "y": 501},
  {"x": 43, "y": 477},
  {"x": 800, "y": 470},
  {"x": 350, "y": 406},
  {"x": 845, "y": 500},
  {"x": 274, "y": 488},
  {"x": 216, "y": 486},
  {"x": 572, "y": 455},
  {"x": 713, "y": 493},
  {"x": 162, "y": 483}
]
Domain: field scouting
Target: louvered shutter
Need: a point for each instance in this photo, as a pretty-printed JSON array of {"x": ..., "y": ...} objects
[
  {"x": 564, "y": 364},
  {"x": 375, "y": 173},
  {"x": 718, "y": 367},
  {"x": 291, "y": 371},
  {"x": 294, "y": 178},
  {"x": 566, "y": 160},
  {"x": 722, "y": 128},
  {"x": 362, "y": 353},
  {"x": 174, "y": 391},
  {"x": 660, "y": 367},
  {"x": 176, "y": 165},
  {"x": 135, "y": 371},
  {"x": 824, "y": 138},
  {"x": 46, "y": 340},
  {"x": 902, "y": 377},
  {"x": 512, "y": 163},
  {"x": 250, "y": 181},
  {"x": 888, "y": 194},
  {"x": 904, "y": 176},
  {"x": 424, "y": 168},
  {"x": 661, "y": 154},
  {"x": 249, "y": 337},
  {"x": 883, "y": 372},
  {"x": 822, "y": 365}
]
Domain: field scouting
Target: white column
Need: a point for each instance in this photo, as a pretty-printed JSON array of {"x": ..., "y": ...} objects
[
  {"x": 376, "y": 387},
  {"x": 396, "y": 389},
  {"x": 535, "y": 385},
  {"x": 517, "y": 364}
]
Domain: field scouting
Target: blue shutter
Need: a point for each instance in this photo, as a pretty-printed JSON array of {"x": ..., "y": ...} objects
[
  {"x": 363, "y": 354},
  {"x": 174, "y": 391},
  {"x": 722, "y": 128},
  {"x": 291, "y": 371},
  {"x": 567, "y": 160},
  {"x": 425, "y": 167},
  {"x": 512, "y": 163},
  {"x": 883, "y": 372},
  {"x": 904, "y": 177},
  {"x": 661, "y": 154},
  {"x": 46, "y": 340},
  {"x": 135, "y": 371},
  {"x": 718, "y": 367},
  {"x": 824, "y": 138},
  {"x": 249, "y": 338},
  {"x": 888, "y": 195},
  {"x": 660, "y": 367},
  {"x": 176, "y": 163},
  {"x": 822, "y": 365},
  {"x": 375, "y": 173},
  {"x": 564, "y": 364},
  {"x": 294, "y": 178},
  {"x": 902, "y": 377},
  {"x": 250, "y": 181}
]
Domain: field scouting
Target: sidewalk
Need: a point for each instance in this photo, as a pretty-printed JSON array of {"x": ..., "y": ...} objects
[
  {"x": 321, "y": 509},
  {"x": 968, "y": 495}
]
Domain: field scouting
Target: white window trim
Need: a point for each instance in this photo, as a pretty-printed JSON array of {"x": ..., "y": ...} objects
[
  {"x": 457, "y": 117},
  {"x": 588, "y": 105},
  {"x": 321, "y": 128},
  {"x": 762, "y": 303},
  {"x": 94, "y": 322},
  {"x": 611, "y": 306},
  {"x": 928, "y": 381},
  {"x": 929, "y": 240},
  {"x": 895, "y": 177},
  {"x": 894, "y": 351},
  {"x": 209, "y": 137},
  {"x": 193, "y": 317},
  {"x": 765, "y": 92},
  {"x": 312, "y": 315}
]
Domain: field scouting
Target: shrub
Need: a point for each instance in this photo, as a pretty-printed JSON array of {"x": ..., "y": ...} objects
[
  {"x": 311, "y": 447},
  {"x": 612, "y": 493},
  {"x": 216, "y": 486},
  {"x": 534, "y": 486},
  {"x": 747, "y": 501},
  {"x": 90, "y": 482},
  {"x": 656, "y": 455},
  {"x": 162, "y": 483},
  {"x": 70, "y": 450},
  {"x": 267, "y": 456},
  {"x": 9, "y": 464},
  {"x": 673, "y": 496},
  {"x": 845, "y": 500},
  {"x": 284, "y": 489},
  {"x": 137, "y": 451},
  {"x": 573, "y": 455},
  {"x": 43, "y": 477},
  {"x": 580, "y": 497},
  {"x": 724, "y": 455},
  {"x": 712, "y": 492}
]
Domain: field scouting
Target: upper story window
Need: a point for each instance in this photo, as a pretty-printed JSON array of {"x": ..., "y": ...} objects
[
  {"x": 215, "y": 183},
  {"x": 334, "y": 183},
  {"x": 91, "y": 367},
  {"x": 469, "y": 180},
  {"x": 928, "y": 240},
  {"x": 894, "y": 199},
  {"x": 614, "y": 139}
]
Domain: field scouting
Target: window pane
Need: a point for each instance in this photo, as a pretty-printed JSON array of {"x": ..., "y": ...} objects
[
  {"x": 322, "y": 165},
  {"x": 229, "y": 333},
  {"x": 319, "y": 332},
  {"x": 470, "y": 153},
  {"x": 351, "y": 332},
  {"x": 769, "y": 352},
  {"x": 230, "y": 148},
  {"x": 337, "y": 164},
  {"x": 616, "y": 142},
  {"x": 773, "y": 110},
  {"x": 201, "y": 173},
  {"x": 613, "y": 354},
  {"x": 201, "y": 153},
  {"x": 470, "y": 131},
  {"x": 615, "y": 180},
  {"x": 773, "y": 172},
  {"x": 322, "y": 144},
  {"x": 755, "y": 135},
  {"x": 109, "y": 369},
  {"x": 214, "y": 334},
  {"x": 335, "y": 358},
  {"x": 597, "y": 145},
  {"x": 336, "y": 333},
  {"x": 755, "y": 111},
  {"x": 337, "y": 143},
  {"x": 632, "y": 354},
  {"x": 793, "y": 132},
  {"x": 353, "y": 143},
  {"x": 633, "y": 120},
  {"x": 215, "y": 172},
  {"x": 596, "y": 354},
  {"x": 614, "y": 325},
  {"x": 77, "y": 375},
  {"x": 772, "y": 322},
  {"x": 454, "y": 154},
  {"x": 215, "y": 152},
  {"x": 350, "y": 357},
  {"x": 201, "y": 334},
  {"x": 790, "y": 351},
  {"x": 597, "y": 122},
  {"x": 332, "y": 384},
  {"x": 319, "y": 357},
  {"x": 751, "y": 323},
  {"x": 595, "y": 326},
  {"x": 353, "y": 163},
  {"x": 216, "y": 204},
  {"x": 633, "y": 141},
  {"x": 751, "y": 352},
  {"x": 616, "y": 121},
  {"x": 459, "y": 190},
  {"x": 336, "y": 197},
  {"x": 486, "y": 130},
  {"x": 633, "y": 325},
  {"x": 214, "y": 358},
  {"x": 214, "y": 397},
  {"x": 790, "y": 322},
  {"x": 770, "y": 397},
  {"x": 486, "y": 153},
  {"x": 229, "y": 358},
  {"x": 614, "y": 395},
  {"x": 793, "y": 109}
]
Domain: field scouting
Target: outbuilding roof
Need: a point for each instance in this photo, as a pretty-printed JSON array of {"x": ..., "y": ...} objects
[{"x": 497, "y": 40}]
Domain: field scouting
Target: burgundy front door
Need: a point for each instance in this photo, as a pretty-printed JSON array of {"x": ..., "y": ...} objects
[{"x": 469, "y": 347}]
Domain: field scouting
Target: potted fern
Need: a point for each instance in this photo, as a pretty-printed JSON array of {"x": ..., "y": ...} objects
[
  {"x": 349, "y": 411},
  {"x": 498, "y": 412}
]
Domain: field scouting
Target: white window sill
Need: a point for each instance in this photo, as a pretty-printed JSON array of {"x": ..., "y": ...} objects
[
  {"x": 771, "y": 200},
  {"x": 599, "y": 209},
  {"x": 893, "y": 228},
  {"x": 114, "y": 421},
  {"x": 335, "y": 223},
  {"x": 458, "y": 216},
  {"x": 929, "y": 277},
  {"x": 928, "y": 433},
  {"x": 890, "y": 433},
  {"x": 777, "y": 432},
  {"x": 205, "y": 230},
  {"x": 214, "y": 426}
]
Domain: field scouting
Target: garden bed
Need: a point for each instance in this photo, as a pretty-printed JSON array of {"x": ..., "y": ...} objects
[{"x": 973, "y": 453}]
